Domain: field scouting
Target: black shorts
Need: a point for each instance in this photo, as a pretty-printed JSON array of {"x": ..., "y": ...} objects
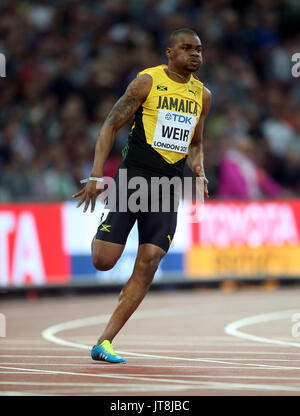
[{"x": 156, "y": 215}]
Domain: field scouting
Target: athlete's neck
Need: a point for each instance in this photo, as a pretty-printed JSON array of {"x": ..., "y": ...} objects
[{"x": 177, "y": 75}]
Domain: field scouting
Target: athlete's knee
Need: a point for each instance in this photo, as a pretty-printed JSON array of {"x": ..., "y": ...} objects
[
  {"x": 101, "y": 263},
  {"x": 150, "y": 260},
  {"x": 105, "y": 254}
]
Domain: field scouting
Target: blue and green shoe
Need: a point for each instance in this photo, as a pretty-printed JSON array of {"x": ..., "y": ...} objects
[{"x": 105, "y": 352}]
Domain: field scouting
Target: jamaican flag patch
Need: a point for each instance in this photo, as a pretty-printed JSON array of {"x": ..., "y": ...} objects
[{"x": 162, "y": 88}]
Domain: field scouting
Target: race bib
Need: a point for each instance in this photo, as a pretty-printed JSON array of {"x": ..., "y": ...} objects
[{"x": 173, "y": 131}]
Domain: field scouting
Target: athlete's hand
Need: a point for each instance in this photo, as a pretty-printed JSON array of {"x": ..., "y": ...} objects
[
  {"x": 88, "y": 195},
  {"x": 200, "y": 174}
]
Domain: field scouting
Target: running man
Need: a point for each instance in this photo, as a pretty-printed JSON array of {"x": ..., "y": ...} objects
[{"x": 169, "y": 106}]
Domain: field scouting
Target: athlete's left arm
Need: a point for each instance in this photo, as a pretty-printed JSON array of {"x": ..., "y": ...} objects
[{"x": 195, "y": 158}]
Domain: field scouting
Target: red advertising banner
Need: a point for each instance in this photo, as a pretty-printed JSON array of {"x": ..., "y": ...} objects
[
  {"x": 31, "y": 245},
  {"x": 239, "y": 239}
]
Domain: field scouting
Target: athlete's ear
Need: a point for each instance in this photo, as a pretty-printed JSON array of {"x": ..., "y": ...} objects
[{"x": 169, "y": 53}]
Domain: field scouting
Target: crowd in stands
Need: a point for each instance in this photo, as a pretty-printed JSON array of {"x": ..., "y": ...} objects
[{"x": 68, "y": 61}]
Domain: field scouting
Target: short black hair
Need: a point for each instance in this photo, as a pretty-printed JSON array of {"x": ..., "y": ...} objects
[{"x": 174, "y": 35}]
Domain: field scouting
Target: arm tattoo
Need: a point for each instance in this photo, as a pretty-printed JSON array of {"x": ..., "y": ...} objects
[
  {"x": 128, "y": 103},
  {"x": 122, "y": 110}
]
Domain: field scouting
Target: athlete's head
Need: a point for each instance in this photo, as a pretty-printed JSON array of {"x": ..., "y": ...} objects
[{"x": 184, "y": 50}]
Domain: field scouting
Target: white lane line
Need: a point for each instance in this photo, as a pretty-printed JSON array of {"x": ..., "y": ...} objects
[
  {"x": 38, "y": 383},
  {"x": 68, "y": 384},
  {"x": 222, "y": 352},
  {"x": 154, "y": 350},
  {"x": 21, "y": 393},
  {"x": 108, "y": 375},
  {"x": 9, "y": 343},
  {"x": 50, "y": 334},
  {"x": 15, "y": 372},
  {"x": 228, "y": 367},
  {"x": 257, "y": 387},
  {"x": 156, "y": 366},
  {"x": 184, "y": 383},
  {"x": 160, "y": 343},
  {"x": 216, "y": 376},
  {"x": 103, "y": 390},
  {"x": 109, "y": 365},
  {"x": 85, "y": 357},
  {"x": 54, "y": 364},
  {"x": 233, "y": 328},
  {"x": 48, "y": 348},
  {"x": 204, "y": 360}
]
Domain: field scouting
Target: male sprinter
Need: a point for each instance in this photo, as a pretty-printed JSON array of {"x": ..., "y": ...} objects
[{"x": 158, "y": 146}]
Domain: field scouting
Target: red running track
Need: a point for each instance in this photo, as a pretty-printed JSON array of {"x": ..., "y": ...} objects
[{"x": 175, "y": 345}]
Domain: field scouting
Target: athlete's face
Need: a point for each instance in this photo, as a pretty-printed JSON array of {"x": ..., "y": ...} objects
[{"x": 186, "y": 53}]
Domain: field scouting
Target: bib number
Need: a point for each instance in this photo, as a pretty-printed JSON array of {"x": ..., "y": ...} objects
[{"x": 173, "y": 131}]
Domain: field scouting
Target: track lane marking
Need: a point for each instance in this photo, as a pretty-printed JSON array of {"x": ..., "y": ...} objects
[
  {"x": 50, "y": 334},
  {"x": 233, "y": 328},
  {"x": 84, "y": 357},
  {"x": 185, "y": 384}
]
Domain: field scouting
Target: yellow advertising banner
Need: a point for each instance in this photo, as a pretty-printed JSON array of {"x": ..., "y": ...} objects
[
  {"x": 245, "y": 239},
  {"x": 243, "y": 262}
]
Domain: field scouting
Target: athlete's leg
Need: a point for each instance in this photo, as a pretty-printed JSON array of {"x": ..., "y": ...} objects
[
  {"x": 114, "y": 228},
  {"x": 110, "y": 239},
  {"x": 147, "y": 261},
  {"x": 105, "y": 254}
]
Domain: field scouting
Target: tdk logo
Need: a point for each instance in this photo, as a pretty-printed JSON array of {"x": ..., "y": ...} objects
[{"x": 179, "y": 118}]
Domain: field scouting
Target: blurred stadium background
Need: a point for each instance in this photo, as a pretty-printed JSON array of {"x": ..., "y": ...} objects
[{"x": 67, "y": 62}]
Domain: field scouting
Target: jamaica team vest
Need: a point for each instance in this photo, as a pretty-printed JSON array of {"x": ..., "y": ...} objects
[{"x": 164, "y": 125}]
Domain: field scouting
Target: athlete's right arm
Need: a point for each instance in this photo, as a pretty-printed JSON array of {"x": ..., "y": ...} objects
[{"x": 135, "y": 94}]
